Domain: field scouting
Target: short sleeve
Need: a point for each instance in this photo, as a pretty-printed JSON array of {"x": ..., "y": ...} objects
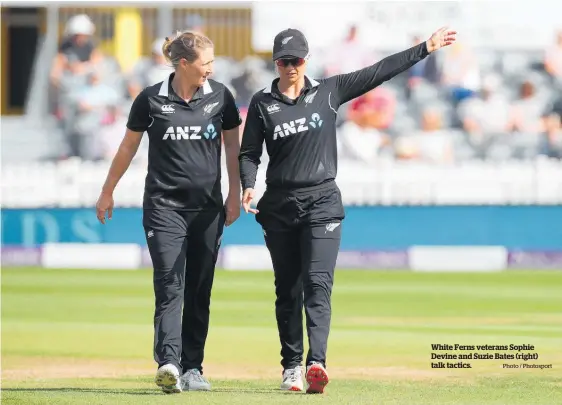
[
  {"x": 139, "y": 116},
  {"x": 231, "y": 115}
]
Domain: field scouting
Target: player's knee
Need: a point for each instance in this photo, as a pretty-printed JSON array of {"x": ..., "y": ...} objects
[
  {"x": 318, "y": 284},
  {"x": 168, "y": 284}
]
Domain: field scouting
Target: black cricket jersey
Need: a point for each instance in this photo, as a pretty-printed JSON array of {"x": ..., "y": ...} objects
[
  {"x": 300, "y": 134},
  {"x": 184, "y": 152}
]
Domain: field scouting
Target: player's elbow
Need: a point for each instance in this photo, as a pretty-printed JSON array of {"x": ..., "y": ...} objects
[{"x": 231, "y": 141}]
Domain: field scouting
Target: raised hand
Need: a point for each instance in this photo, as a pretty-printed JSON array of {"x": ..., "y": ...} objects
[{"x": 441, "y": 38}]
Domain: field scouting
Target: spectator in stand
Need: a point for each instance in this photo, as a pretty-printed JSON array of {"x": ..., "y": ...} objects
[
  {"x": 369, "y": 118},
  {"x": 110, "y": 135},
  {"x": 524, "y": 127},
  {"x": 77, "y": 56},
  {"x": 432, "y": 143},
  {"x": 485, "y": 117},
  {"x": 378, "y": 107},
  {"x": 553, "y": 60},
  {"x": 426, "y": 70},
  {"x": 253, "y": 74},
  {"x": 348, "y": 56},
  {"x": 77, "y": 53},
  {"x": 149, "y": 71},
  {"x": 86, "y": 107},
  {"x": 527, "y": 110},
  {"x": 551, "y": 142},
  {"x": 555, "y": 107},
  {"x": 461, "y": 74},
  {"x": 194, "y": 22}
]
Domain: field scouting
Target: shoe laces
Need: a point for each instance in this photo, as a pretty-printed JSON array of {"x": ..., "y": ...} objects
[
  {"x": 196, "y": 375},
  {"x": 293, "y": 374}
]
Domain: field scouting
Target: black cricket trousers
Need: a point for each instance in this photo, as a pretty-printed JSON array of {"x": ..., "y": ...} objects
[
  {"x": 302, "y": 231},
  {"x": 183, "y": 246}
]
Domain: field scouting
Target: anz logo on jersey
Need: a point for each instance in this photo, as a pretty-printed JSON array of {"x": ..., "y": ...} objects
[
  {"x": 190, "y": 133},
  {"x": 297, "y": 126}
]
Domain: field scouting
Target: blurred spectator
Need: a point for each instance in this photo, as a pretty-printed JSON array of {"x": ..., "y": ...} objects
[
  {"x": 526, "y": 110},
  {"x": 194, "y": 22},
  {"x": 252, "y": 77},
  {"x": 347, "y": 56},
  {"x": 554, "y": 107},
  {"x": 111, "y": 134},
  {"x": 244, "y": 86},
  {"x": 364, "y": 135},
  {"x": 485, "y": 117},
  {"x": 376, "y": 108},
  {"x": 552, "y": 137},
  {"x": 149, "y": 71},
  {"x": 461, "y": 73},
  {"x": 553, "y": 59},
  {"x": 85, "y": 108},
  {"x": 77, "y": 53},
  {"x": 524, "y": 126},
  {"x": 408, "y": 118},
  {"x": 424, "y": 70},
  {"x": 431, "y": 144}
]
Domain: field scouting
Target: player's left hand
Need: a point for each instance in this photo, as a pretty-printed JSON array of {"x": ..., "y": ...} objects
[
  {"x": 232, "y": 207},
  {"x": 441, "y": 38}
]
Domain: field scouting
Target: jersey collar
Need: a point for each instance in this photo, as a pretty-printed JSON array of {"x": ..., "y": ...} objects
[{"x": 167, "y": 91}]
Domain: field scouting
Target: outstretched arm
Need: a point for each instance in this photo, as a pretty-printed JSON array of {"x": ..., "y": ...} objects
[{"x": 355, "y": 84}]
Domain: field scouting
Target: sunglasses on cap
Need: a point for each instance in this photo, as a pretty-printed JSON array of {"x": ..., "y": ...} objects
[{"x": 284, "y": 62}]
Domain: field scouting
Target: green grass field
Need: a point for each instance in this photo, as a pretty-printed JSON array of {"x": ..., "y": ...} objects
[{"x": 85, "y": 337}]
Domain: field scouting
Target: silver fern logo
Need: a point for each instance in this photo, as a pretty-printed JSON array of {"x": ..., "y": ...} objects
[
  {"x": 331, "y": 227},
  {"x": 308, "y": 99},
  {"x": 285, "y": 40},
  {"x": 210, "y": 107}
]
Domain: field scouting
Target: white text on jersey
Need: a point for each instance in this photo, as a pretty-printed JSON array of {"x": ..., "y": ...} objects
[
  {"x": 182, "y": 133},
  {"x": 290, "y": 128}
]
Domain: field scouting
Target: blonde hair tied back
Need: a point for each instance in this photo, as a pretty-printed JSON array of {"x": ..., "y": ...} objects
[{"x": 185, "y": 45}]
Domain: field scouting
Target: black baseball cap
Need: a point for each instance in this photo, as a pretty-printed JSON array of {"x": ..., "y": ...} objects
[{"x": 290, "y": 43}]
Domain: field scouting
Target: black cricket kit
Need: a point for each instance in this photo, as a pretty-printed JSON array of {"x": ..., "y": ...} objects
[
  {"x": 301, "y": 210},
  {"x": 183, "y": 215}
]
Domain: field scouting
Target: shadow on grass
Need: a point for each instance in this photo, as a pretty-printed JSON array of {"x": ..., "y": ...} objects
[{"x": 134, "y": 391}]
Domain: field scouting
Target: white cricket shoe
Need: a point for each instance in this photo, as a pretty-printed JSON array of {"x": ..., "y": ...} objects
[
  {"x": 292, "y": 379},
  {"x": 316, "y": 378},
  {"x": 193, "y": 380},
  {"x": 168, "y": 378}
]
